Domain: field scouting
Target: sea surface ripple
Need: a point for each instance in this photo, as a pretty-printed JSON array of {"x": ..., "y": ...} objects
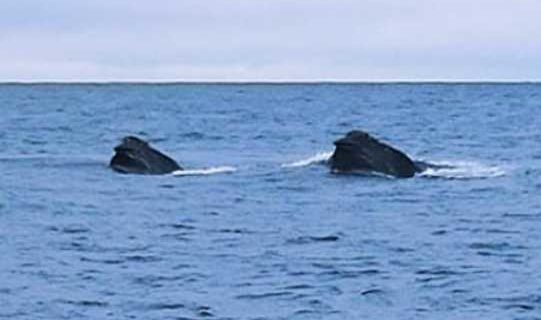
[{"x": 259, "y": 228}]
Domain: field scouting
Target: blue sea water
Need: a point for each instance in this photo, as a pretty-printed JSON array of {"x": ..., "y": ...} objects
[{"x": 258, "y": 228}]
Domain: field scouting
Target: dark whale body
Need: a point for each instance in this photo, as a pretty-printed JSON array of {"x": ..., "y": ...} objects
[
  {"x": 134, "y": 155},
  {"x": 360, "y": 152}
]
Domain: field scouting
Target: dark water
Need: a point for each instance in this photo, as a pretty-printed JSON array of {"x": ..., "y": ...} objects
[{"x": 281, "y": 237}]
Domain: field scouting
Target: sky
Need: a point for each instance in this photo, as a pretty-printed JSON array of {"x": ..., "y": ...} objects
[{"x": 270, "y": 40}]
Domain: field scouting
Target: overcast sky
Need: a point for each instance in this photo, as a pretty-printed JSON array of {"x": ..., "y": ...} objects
[{"x": 71, "y": 40}]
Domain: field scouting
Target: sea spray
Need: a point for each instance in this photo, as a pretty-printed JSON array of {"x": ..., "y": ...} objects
[
  {"x": 318, "y": 158},
  {"x": 205, "y": 172},
  {"x": 462, "y": 170}
]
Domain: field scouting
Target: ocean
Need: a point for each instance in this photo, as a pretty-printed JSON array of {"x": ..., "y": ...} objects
[{"x": 257, "y": 227}]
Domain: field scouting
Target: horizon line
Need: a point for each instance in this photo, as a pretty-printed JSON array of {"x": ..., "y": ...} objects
[{"x": 268, "y": 81}]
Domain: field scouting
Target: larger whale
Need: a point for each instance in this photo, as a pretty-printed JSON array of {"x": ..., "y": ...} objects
[
  {"x": 134, "y": 155},
  {"x": 358, "y": 151}
]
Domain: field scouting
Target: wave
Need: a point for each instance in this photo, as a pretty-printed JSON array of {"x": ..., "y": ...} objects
[
  {"x": 436, "y": 169},
  {"x": 204, "y": 172},
  {"x": 50, "y": 157},
  {"x": 461, "y": 170},
  {"x": 318, "y": 158},
  {"x": 447, "y": 169}
]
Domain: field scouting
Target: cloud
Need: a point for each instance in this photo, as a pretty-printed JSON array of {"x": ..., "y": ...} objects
[{"x": 278, "y": 39}]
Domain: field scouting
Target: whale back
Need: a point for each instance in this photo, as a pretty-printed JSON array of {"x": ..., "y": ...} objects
[
  {"x": 359, "y": 151},
  {"x": 134, "y": 155}
]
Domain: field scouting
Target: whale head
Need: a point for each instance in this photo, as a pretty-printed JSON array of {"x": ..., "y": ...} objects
[
  {"x": 129, "y": 156},
  {"x": 131, "y": 143},
  {"x": 352, "y": 152},
  {"x": 135, "y": 155},
  {"x": 359, "y": 151}
]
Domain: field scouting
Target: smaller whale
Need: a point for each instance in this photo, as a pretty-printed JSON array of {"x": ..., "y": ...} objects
[
  {"x": 134, "y": 155},
  {"x": 358, "y": 151}
]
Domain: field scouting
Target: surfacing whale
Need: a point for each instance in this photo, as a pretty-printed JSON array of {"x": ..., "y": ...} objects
[
  {"x": 360, "y": 152},
  {"x": 134, "y": 155}
]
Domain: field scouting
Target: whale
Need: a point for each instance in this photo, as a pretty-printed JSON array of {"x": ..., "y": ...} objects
[
  {"x": 135, "y": 156},
  {"x": 359, "y": 152}
]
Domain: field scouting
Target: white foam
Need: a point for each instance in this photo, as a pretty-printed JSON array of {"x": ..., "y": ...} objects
[
  {"x": 204, "y": 172},
  {"x": 462, "y": 170},
  {"x": 318, "y": 158}
]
